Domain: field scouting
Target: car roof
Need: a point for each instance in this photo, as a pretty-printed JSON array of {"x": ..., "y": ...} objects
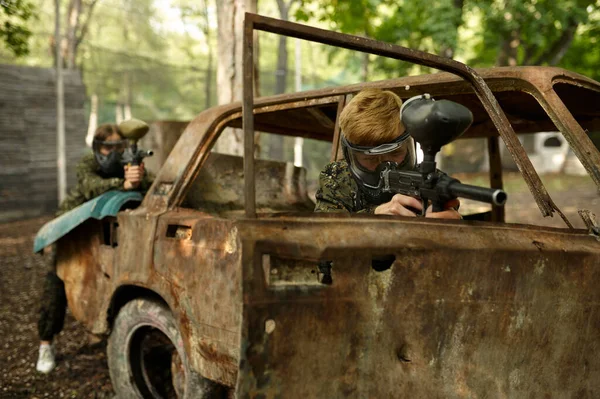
[{"x": 312, "y": 114}]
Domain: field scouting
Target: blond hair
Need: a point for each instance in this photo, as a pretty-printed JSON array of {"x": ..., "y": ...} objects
[{"x": 372, "y": 118}]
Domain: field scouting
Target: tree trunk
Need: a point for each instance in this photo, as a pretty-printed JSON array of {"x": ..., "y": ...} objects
[
  {"x": 314, "y": 76},
  {"x": 84, "y": 26},
  {"x": 298, "y": 141},
  {"x": 208, "y": 80},
  {"x": 72, "y": 26},
  {"x": 69, "y": 44},
  {"x": 256, "y": 70},
  {"x": 282, "y": 55},
  {"x": 276, "y": 142},
  {"x": 61, "y": 157},
  {"x": 208, "y": 76},
  {"x": 508, "y": 52},
  {"x": 365, "y": 67},
  {"x": 93, "y": 121},
  {"x": 118, "y": 113},
  {"x": 127, "y": 111},
  {"x": 230, "y": 19},
  {"x": 560, "y": 47},
  {"x": 528, "y": 53}
]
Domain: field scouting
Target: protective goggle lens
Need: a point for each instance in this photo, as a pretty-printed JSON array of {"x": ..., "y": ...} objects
[
  {"x": 370, "y": 161},
  {"x": 110, "y": 146}
]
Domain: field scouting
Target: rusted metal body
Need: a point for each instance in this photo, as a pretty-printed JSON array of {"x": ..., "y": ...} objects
[
  {"x": 85, "y": 265},
  {"x": 467, "y": 309},
  {"x": 495, "y": 312}
]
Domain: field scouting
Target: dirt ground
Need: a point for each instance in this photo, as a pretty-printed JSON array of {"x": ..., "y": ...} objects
[{"x": 82, "y": 370}]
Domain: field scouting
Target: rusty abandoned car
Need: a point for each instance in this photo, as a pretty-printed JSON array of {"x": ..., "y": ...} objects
[{"x": 208, "y": 286}]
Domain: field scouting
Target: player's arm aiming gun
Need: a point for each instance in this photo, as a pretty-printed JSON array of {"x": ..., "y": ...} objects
[
  {"x": 134, "y": 130},
  {"x": 434, "y": 124}
]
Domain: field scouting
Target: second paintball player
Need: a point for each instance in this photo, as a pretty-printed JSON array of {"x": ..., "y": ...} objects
[{"x": 97, "y": 173}]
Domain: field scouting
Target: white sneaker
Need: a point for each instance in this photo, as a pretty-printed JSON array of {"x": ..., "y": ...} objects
[{"x": 46, "y": 363}]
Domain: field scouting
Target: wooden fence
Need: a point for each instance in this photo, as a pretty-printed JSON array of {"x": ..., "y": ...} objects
[{"x": 28, "y": 170}]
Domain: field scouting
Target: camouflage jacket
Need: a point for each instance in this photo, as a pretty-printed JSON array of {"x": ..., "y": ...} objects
[
  {"x": 338, "y": 191},
  {"x": 91, "y": 184}
]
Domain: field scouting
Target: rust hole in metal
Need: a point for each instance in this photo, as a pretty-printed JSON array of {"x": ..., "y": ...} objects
[
  {"x": 383, "y": 262},
  {"x": 178, "y": 231},
  {"x": 269, "y": 326},
  {"x": 324, "y": 273},
  {"x": 163, "y": 188},
  {"x": 106, "y": 233},
  {"x": 109, "y": 233},
  {"x": 403, "y": 354}
]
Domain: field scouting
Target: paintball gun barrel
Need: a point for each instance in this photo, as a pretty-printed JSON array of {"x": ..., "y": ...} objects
[
  {"x": 434, "y": 124},
  {"x": 439, "y": 188}
]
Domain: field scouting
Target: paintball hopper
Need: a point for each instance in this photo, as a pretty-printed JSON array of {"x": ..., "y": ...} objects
[
  {"x": 434, "y": 124},
  {"x": 133, "y": 129}
]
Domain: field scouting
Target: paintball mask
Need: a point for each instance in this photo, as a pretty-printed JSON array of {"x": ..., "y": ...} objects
[
  {"x": 108, "y": 155},
  {"x": 367, "y": 163}
]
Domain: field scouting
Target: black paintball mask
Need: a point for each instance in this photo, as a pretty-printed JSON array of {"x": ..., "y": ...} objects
[
  {"x": 367, "y": 164},
  {"x": 110, "y": 164}
]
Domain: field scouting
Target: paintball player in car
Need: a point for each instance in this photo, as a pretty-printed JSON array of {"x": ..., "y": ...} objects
[
  {"x": 372, "y": 133},
  {"x": 97, "y": 173}
]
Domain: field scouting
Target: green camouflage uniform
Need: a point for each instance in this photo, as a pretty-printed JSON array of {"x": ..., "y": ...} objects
[
  {"x": 338, "y": 191},
  {"x": 90, "y": 184}
]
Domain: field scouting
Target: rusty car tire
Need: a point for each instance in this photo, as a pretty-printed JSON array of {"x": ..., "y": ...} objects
[{"x": 145, "y": 334}]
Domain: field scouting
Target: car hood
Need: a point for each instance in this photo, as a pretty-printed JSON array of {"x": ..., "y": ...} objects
[{"x": 107, "y": 204}]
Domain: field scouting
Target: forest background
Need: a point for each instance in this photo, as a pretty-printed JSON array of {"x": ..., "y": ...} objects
[{"x": 159, "y": 59}]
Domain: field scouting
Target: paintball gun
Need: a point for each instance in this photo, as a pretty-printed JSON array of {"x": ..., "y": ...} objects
[
  {"x": 434, "y": 124},
  {"x": 133, "y": 130}
]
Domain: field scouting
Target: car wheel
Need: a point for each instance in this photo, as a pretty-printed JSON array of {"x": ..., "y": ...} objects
[{"x": 146, "y": 357}]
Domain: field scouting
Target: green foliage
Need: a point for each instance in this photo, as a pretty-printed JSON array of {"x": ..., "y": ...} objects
[
  {"x": 584, "y": 54},
  {"x": 428, "y": 26},
  {"x": 132, "y": 55},
  {"x": 14, "y": 16},
  {"x": 163, "y": 56},
  {"x": 533, "y": 28},
  {"x": 515, "y": 32}
]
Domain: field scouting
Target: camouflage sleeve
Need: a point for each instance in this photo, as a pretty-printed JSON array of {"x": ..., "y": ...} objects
[
  {"x": 327, "y": 200},
  {"x": 91, "y": 184},
  {"x": 335, "y": 192}
]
